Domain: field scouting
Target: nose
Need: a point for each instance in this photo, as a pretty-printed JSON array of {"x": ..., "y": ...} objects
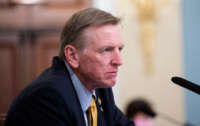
[{"x": 117, "y": 60}]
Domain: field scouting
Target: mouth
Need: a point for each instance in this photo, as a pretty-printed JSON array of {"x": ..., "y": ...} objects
[{"x": 113, "y": 73}]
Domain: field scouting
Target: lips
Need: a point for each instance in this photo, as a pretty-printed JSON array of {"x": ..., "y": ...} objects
[{"x": 113, "y": 73}]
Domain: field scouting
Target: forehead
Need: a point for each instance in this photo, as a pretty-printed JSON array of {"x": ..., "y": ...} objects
[{"x": 104, "y": 35}]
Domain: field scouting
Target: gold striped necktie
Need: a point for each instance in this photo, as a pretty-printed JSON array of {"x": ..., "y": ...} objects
[{"x": 92, "y": 113}]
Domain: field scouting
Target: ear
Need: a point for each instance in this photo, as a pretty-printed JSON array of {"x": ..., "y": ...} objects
[{"x": 71, "y": 55}]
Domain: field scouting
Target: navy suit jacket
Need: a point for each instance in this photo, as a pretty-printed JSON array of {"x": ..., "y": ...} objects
[{"x": 51, "y": 100}]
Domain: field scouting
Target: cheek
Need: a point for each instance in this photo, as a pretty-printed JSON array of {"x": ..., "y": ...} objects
[
  {"x": 96, "y": 65},
  {"x": 89, "y": 66},
  {"x": 95, "y": 69}
]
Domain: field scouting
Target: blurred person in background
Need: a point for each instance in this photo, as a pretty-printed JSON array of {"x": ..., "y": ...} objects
[{"x": 141, "y": 112}]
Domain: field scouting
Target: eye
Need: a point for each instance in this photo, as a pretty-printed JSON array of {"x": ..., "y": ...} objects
[
  {"x": 108, "y": 49},
  {"x": 120, "y": 48}
]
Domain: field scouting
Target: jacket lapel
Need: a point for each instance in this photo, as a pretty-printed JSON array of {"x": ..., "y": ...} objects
[{"x": 69, "y": 93}]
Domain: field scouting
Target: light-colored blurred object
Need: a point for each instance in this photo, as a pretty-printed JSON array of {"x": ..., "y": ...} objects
[
  {"x": 27, "y": 2},
  {"x": 147, "y": 17}
]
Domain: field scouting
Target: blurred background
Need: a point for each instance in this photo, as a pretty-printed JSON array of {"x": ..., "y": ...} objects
[{"x": 161, "y": 40}]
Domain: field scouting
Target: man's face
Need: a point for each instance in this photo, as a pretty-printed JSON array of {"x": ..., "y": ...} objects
[{"x": 99, "y": 62}]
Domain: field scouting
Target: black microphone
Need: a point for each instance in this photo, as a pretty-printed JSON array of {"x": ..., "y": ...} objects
[{"x": 186, "y": 84}]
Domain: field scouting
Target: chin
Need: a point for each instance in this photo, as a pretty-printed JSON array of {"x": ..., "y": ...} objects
[
  {"x": 107, "y": 84},
  {"x": 110, "y": 85}
]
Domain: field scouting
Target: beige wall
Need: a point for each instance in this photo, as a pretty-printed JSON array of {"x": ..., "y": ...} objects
[{"x": 156, "y": 87}]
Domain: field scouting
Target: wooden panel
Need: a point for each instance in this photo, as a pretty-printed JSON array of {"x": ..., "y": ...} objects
[
  {"x": 25, "y": 57},
  {"x": 4, "y": 3},
  {"x": 7, "y": 75},
  {"x": 47, "y": 47},
  {"x": 63, "y": 4},
  {"x": 2, "y": 119},
  {"x": 52, "y": 14}
]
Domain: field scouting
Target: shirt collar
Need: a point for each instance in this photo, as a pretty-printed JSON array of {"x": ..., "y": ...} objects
[{"x": 84, "y": 95}]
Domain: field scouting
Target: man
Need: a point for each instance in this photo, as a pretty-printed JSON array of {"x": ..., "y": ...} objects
[
  {"x": 141, "y": 112},
  {"x": 75, "y": 90}
]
